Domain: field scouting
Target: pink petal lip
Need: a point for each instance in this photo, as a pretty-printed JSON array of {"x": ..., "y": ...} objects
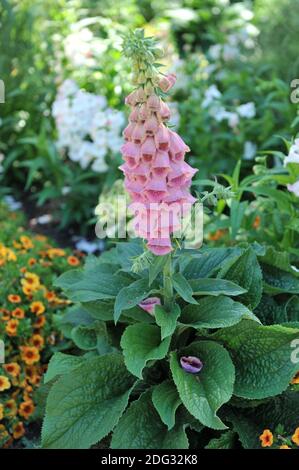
[
  {"x": 191, "y": 364},
  {"x": 149, "y": 304}
]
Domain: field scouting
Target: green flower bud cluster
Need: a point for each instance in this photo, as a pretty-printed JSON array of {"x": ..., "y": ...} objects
[{"x": 144, "y": 53}]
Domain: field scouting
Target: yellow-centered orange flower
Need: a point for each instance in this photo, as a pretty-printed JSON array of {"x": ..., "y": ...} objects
[
  {"x": 266, "y": 438},
  {"x": 12, "y": 369},
  {"x": 30, "y": 355},
  {"x": 295, "y": 437},
  {"x": 55, "y": 253},
  {"x": 37, "y": 307},
  {"x": 37, "y": 341},
  {"x": 40, "y": 322},
  {"x": 31, "y": 280},
  {"x": 284, "y": 446},
  {"x": 14, "y": 298},
  {"x": 295, "y": 379},
  {"x": 4, "y": 383},
  {"x": 73, "y": 261},
  {"x": 26, "y": 242},
  {"x": 10, "y": 408},
  {"x": 26, "y": 409},
  {"x": 12, "y": 327},
  {"x": 18, "y": 430},
  {"x": 18, "y": 313}
]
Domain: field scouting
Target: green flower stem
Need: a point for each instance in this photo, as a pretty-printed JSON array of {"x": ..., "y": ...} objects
[{"x": 167, "y": 283}]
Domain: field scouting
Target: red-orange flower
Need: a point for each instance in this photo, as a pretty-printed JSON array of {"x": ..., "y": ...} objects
[
  {"x": 73, "y": 261},
  {"x": 30, "y": 354},
  {"x": 26, "y": 409},
  {"x": 14, "y": 298},
  {"x": 18, "y": 313},
  {"x": 18, "y": 430},
  {"x": 37, "y": 307},
  {"x": 266, "y": 438},
  {"x": 12, "y": 369},
  {"x": 12, "y": 327}
]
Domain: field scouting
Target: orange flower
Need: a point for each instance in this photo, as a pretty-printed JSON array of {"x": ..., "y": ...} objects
[
  {"x": 216, "y": 235},
  {"x": 12, "y": 369},
  {"x": 28, "y": 291},
  {"x": 37, "y": 341},
  {"x": 284, "y": 446},
  {"x": 30, "y": 355},
  {"x": 10, "y": 408},
  {"x": 256, "y": 222},
  {"x": 32, "y": 261},
  {"x": 5, "y": 314},
  {"x": 40, "y": 322},
  {"x": 26, "y": 242},
  {"x": 14, "y": 298},
  {"x": 1, "y": 411},
  {"x": 18, "y": 430},
  {"x": 37, "y": 307},
  {"x": 4, "y": 383},
  {"x": 18, "y": 313},
  {"x": 11, "y": 327},
  {"x": 26, "y": 409},
  {"x": 31, "y": 280},
  {"x": 55, "y": 252},
  {"x": 40, "y": 238},
  {"x": 295, "y": 379},
  {"x": 266, "y": 438},
  {"x": 73, "y": 261},
  {"x": 295, "y": 437},
  {"x": 50, "y": 296}
]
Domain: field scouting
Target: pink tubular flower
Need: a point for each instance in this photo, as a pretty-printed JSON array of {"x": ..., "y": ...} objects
[
  {"x": 156, "y": 175},
  {"x": 149, "y": 304}
]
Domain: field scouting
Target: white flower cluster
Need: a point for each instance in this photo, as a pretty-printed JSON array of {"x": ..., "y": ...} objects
[
  {"x": 293, "y": 157},
  {"x": 81, "y": 47},
  {"x": 87, "y": 128},
  {"x": 212, "y": 101},
  {"x": 243, "y": 35}
]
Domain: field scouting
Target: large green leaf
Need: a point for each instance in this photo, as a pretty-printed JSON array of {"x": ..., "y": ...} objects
[
  {"x": 130, "y": 296},
  {"x": 210, "y": 261},
  {"x": 215, "y": 287},
  {"x": 155, "y": 268},
  {"x": 142, "y": 343},
  {"x": 141, "y": 428},
  {"x": 166, "y": 401},
  {"x": 93, "y": 282},
  {"x": 61, "y": 364},
  {"x": 167, "y": 320},
  {"x": 84, "y": 405},
  {"x": 225, "y": 441},
  {"x": 215, "y": 312},
  {"x": 183, "y": 288},
  {"x": 246, "y": 272},
  {"x": 277, "y": 281},
  {"x": 262, "y": 357},
  {"x": 204, "y": 393}
]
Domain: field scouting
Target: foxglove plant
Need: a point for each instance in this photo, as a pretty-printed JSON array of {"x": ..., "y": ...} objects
[{"x": 165, "y": 341}]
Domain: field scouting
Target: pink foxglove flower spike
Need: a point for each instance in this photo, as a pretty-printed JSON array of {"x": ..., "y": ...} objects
[{"x": 155, "y": 170}]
